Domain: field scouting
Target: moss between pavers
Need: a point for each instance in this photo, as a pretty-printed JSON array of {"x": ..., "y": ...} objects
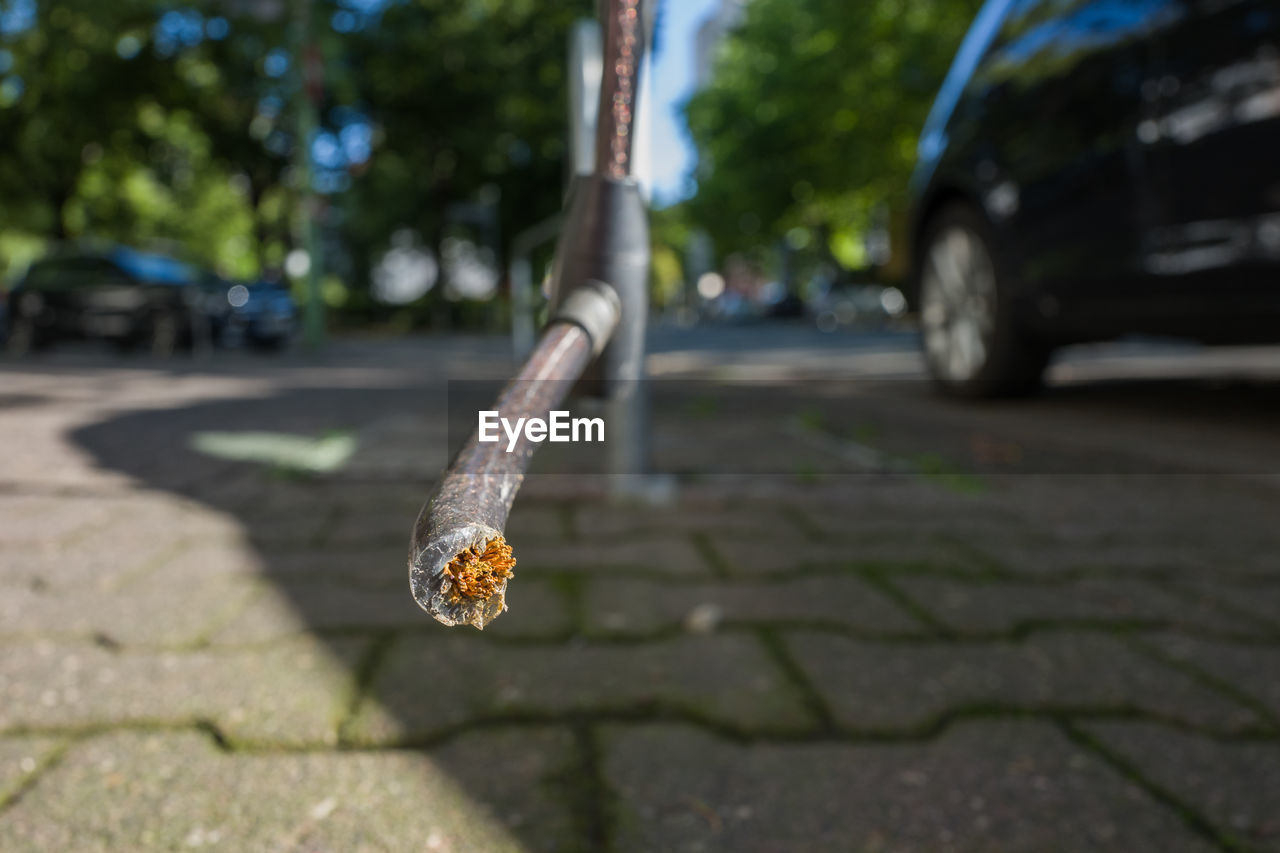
[
  {"x": 981, "y": 785},
  {"x": 292, "y": 692},
  {"x": 429, "y": 685},
  {"x": 492, "y": 791},
  {"x": 909, "y": 686}
]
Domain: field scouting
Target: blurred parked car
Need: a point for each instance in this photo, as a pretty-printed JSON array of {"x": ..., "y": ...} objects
[
  {"x": 125, "y": 296},
  {"x": 4, "y": 312},
  {"x": 262, "y": 314},
  {"x": 1096, "y": 168},
  {"x": 865, "y": 305},
  {"x": 133, "y": 298}
]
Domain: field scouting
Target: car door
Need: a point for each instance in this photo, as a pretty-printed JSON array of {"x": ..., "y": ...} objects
[
  {"x": 1065, "y": 80},
  {"x": 111, "y": 301},
  {"x": 1214, "y": 144}
]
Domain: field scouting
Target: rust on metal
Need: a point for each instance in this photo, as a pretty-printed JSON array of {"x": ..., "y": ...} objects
[
  {"x": 623, "y": 48},
  {"x": 459, "y": 562},
  {"x": 478, "y": 572}
]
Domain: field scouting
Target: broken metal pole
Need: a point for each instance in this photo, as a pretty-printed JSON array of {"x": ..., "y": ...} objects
[{"x": 459, "y": 561}]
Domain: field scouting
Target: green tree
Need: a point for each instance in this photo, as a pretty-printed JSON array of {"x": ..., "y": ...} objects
[
  {"x": 812, "y": 116},
  {"x": 469, "y": 100},
  {"x": 66, "y": 93},
  {"x": 133, "y": 121}
]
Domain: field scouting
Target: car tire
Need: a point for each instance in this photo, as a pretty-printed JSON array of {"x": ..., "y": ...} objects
[
  {"x": 974, "y": 345},
  {"x": 165, "y": 333},
  {"x": 270, "y": 345},
  {"x": 26, "y": 333}
]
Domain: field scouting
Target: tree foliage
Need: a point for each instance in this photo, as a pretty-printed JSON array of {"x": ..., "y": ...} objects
[
  {"x": 470, "y": 104},
  {"x": 171, "y": 125},
  {"x": 813, "y": 114}
]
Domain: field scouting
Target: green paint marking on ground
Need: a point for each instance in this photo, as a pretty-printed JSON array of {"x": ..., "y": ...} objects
[{"x": 287, "y": 451}]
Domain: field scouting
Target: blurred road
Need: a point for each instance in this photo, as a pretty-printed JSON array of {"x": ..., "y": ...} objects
[{"x": 868, "y": 619}]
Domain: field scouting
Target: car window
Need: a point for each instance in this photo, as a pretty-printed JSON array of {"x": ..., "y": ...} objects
[
  {"x": 156, "y": 269},
  {"x": 1046, "y": 38},
  {"x": 1024, "y": 16},
  {"x": 41, "y": 276},
  {"x": 97, "y": 272},
  {"x": 59, "y": 274},
  {"x": 975, "y": 45}
]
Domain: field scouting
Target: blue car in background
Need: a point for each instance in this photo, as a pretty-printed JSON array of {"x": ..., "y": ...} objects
[
  {"x": 136, "y": 299},
  {"x": 121, "y": 295},
  {"x": 261, "y": 314}
]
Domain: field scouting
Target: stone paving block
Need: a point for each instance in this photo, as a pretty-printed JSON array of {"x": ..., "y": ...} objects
[
  {"x": 365, "y": 566},
  {"x": 49, "y": 459},
  {"x": 390, "y": 496},
  {"x": 536, "y": 609},
  {"x": 532, "y": 523},
  {"x": 19, "y": 758},
  {"x": 288, "y": 529},
  {"x": 350, "y": 527},
  {"x": 635, "y": 522},
  {"x": 672, "y": 556},
  {"x": 1155, "y": 555},
  {"x": 150, "y": 791},
  {"x": 1180, "y": 509},
  {"x": 998, "y": 607},
  {"x": 1235, "y": 785},
  {"x": 979, "y": 786},
  {"x": 901, "y": 512},
  {"x": 743, "y": 557},
  {"x": 1260, "y": 602},
  {"x": 32, "y": 520},
  {"x": 380, "y": 524},
  {"x": 427, "y": 684},
  {"x": 103, "y": 562},
  {"x": 642, "y": 606},
  {"x": 291, "y": 693},
  {"x": 152, "y": 513},
  {"x": 154, "y": 611},
  {"x": 204, "y": 560},
  {"x": 890, "y": 686},
  {"x": 1252, "y": 669}
]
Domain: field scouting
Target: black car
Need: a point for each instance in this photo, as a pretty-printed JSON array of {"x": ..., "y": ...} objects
[
  {"x": 1097, "y": 168},
  {"x": 124, "y": 296},
  {"x": 262, "y": 314}
]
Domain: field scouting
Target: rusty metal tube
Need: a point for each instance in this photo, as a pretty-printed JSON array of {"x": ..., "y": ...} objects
[
  {"x": 623, "y": 32},
  {"x": 459, "y": 562}
]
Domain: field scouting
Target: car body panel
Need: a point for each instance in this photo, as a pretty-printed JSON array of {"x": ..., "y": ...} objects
[
  {"x": 113, "y": 295},
  {"x": 1058, "y": 121}
]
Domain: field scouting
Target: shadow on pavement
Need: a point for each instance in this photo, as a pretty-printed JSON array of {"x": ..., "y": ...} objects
[{"x": 331, "y": 548}]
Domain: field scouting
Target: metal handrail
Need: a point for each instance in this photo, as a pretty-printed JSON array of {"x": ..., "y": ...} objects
[{"x": 459, "y": 561}]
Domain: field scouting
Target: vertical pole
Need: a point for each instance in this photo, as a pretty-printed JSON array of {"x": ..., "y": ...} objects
[
  {"x": 522, "y": 332},
  {"x": 606, "y": 239},
  {"x": 623, "y": 32},
  {"x": 308, "y": 71}
]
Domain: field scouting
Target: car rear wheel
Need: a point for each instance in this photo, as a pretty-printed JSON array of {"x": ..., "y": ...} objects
[
  {"x": 25, "y": 332},
  {"x": 22, "y": 336},
  {"x": 166, "y": 333},
  {"x": 973, "y": 344}
]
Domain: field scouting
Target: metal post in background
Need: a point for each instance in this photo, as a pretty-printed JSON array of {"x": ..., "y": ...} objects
[
  {"x": 520, "y": 275},
  {"x": 309, "y": 73},
  {"x": 585, "y": 69},
  {"x": 606, "y": 238}
]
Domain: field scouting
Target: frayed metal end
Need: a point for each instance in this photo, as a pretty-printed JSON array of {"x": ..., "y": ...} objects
[{"x": 461, "y": 579}]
